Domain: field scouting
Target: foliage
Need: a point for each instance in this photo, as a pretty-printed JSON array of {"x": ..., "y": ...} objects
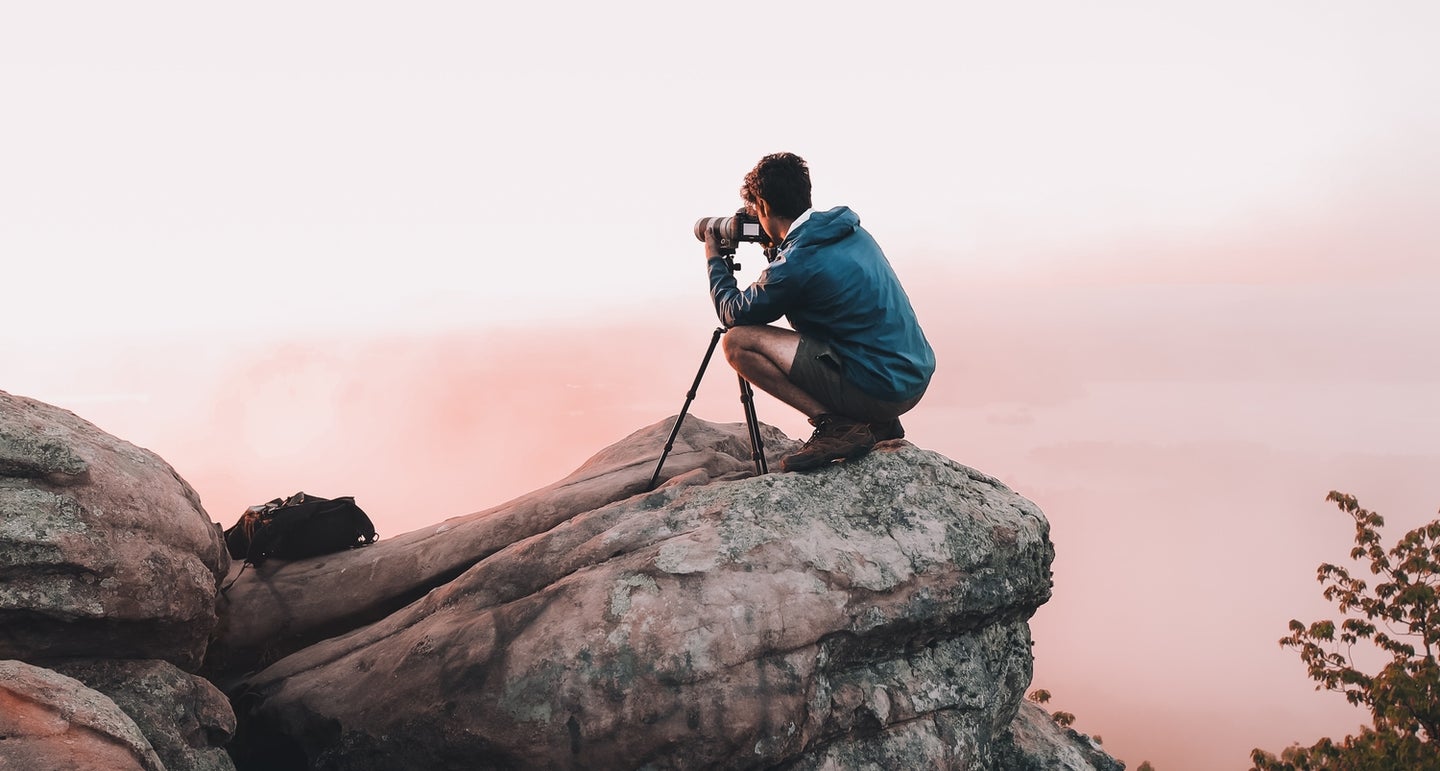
[
  {"x": 1041, "y": 696},
  {"x": 1400, "y": 616},
  {"x": 1062, "y": 719},
  {"x": 1370, "y": 751}
]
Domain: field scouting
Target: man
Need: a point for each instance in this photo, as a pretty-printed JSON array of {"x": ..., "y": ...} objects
[{"x": 856, "y": 359}]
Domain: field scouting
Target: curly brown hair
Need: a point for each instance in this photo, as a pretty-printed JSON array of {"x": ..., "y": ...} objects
[{"x": 783, "y": 180}]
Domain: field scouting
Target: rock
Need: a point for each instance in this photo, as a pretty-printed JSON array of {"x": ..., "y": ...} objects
[
  {"x": 870, "y": 612},
  {"x": 48, "y": 720},
  {"x": 279, "y": 607},
  {"x": 1037, "y": 743},
  {"x": 104, "y": 550},
  {"x": 186, "y": 720}
]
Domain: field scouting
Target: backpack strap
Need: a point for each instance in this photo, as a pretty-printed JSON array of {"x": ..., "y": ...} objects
[
  {"x": 255, "y": 515},
  {"x": 243, "y": 565}
]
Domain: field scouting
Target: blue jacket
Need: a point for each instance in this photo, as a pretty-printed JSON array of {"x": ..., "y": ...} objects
[{"x": 832, "y": 283}]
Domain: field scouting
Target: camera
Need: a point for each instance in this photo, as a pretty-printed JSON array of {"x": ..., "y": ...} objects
[{"x": 730, "y": 232}]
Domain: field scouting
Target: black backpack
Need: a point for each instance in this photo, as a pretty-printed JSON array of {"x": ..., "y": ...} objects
[{"x": 298, "y": 527}]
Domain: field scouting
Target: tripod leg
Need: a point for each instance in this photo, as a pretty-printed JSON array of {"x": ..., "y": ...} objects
[
  {"x": 689, "y": 397},
  {"x": 757, "y": 445}
]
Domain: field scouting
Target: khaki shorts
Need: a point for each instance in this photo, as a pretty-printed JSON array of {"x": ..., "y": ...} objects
[{"x": 816, "y": 370}]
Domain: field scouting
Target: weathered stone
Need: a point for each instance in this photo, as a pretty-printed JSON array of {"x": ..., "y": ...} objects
[
  {"x": 104, "y": 550},
  {"x": 48, "y": 720},
  {"x": 37, "y": 456},
  {"x": 278, "y": 607},
  {"x": 187, "y": 720},
  {"x": 869, "y": 615},
  {"x": 1037, "y": 743},
  {"x": 790, "y": 618}
]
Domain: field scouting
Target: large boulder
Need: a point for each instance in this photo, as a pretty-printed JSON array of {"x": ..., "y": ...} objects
[
  {"x": 104, "y": 550},
  {"x": 185, "y": 718},
  {"x": 48, "y": 720},
  {"x": 873, "y": 613}
]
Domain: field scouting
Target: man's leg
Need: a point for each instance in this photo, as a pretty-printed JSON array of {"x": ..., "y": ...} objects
[{"x": 763, "y": 355}]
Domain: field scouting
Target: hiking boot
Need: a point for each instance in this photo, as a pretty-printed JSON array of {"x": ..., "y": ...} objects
[
  {"x": 835, "y": 438},
  {"x": 889, "y": 429}
]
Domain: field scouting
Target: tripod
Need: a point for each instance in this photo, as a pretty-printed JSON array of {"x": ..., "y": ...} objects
[{"x": 747, "y": 400}]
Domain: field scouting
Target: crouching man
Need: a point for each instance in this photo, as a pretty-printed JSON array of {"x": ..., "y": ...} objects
[{"x": 856, "y": 359}]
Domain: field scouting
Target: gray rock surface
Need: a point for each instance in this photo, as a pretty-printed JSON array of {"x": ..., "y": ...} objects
[
  {"x": 185, "y": 718},
  {"x": 871, "y": 612},
  {"x": 869, "y": 615},
  {"x": 104, "y": 550},
  {"x": 1037, "y": 743},
  {"x": 279, "y": 607}
]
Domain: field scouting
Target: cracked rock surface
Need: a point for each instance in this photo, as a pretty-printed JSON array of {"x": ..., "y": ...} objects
[
  {"x": 870, "y": 614},
  {"x": 104, "y": 549}
]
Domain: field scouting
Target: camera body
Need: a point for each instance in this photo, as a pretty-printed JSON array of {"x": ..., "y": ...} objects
[{"x": 730, "y": 232}]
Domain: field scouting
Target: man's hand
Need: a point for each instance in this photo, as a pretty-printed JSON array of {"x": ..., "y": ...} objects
[{"x": 713, "y": 248}]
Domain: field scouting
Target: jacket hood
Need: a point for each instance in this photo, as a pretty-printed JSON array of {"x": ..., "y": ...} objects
[{"x": 824, "y": 227}]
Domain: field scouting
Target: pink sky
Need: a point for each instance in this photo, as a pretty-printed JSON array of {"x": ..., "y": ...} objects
[
  {"x": 1179, "y": 268},
  {"x": 1180, "y": 438}
]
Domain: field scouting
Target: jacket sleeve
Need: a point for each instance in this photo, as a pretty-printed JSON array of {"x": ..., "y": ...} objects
[{"x": 763, "y": 302}]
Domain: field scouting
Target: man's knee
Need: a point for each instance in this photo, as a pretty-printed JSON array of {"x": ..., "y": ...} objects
[
  {"x": 742, "y": 340},
  {"x": 733, "y": 343}
]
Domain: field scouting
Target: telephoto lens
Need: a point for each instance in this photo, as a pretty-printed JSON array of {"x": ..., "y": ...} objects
[
  {"x": 729, "y": 231},
  {"x": 722, "y": 228}
]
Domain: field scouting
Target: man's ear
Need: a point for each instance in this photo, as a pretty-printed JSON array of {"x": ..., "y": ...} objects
[{"x": 762, "y": 208}]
